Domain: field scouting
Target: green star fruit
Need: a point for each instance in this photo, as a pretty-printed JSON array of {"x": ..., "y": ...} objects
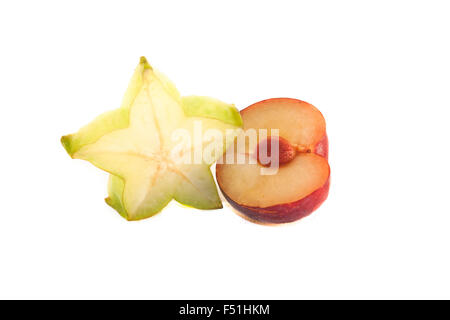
[{"x": 157, "y": 146}]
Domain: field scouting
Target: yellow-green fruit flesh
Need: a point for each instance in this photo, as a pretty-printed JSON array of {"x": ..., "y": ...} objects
[{"x": 135, "y": 144}]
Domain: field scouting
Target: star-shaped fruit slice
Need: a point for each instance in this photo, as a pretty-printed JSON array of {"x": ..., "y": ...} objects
[{"x": 157, "y": 146}]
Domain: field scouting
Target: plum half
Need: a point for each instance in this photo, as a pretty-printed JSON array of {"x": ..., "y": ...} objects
[{"x": 302, "y": 180}]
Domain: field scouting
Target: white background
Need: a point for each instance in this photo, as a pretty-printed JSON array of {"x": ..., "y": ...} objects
[{"x": 378, "y": 70}]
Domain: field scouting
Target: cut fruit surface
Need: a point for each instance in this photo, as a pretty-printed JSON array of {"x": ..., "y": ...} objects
[
  {"x": 301, "y": 181},
  {"x": 298, "y": 122},
  {"x": 283, "y": 151},
  {"x": 244, "y": 183},
  {"x": 136, "y": 144}
]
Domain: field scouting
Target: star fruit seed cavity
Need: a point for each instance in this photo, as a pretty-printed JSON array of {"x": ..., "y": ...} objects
[{"x": 148, "y": 146}]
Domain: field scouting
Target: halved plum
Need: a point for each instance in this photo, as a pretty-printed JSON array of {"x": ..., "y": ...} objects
[{"x": 300, "y": 184}]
